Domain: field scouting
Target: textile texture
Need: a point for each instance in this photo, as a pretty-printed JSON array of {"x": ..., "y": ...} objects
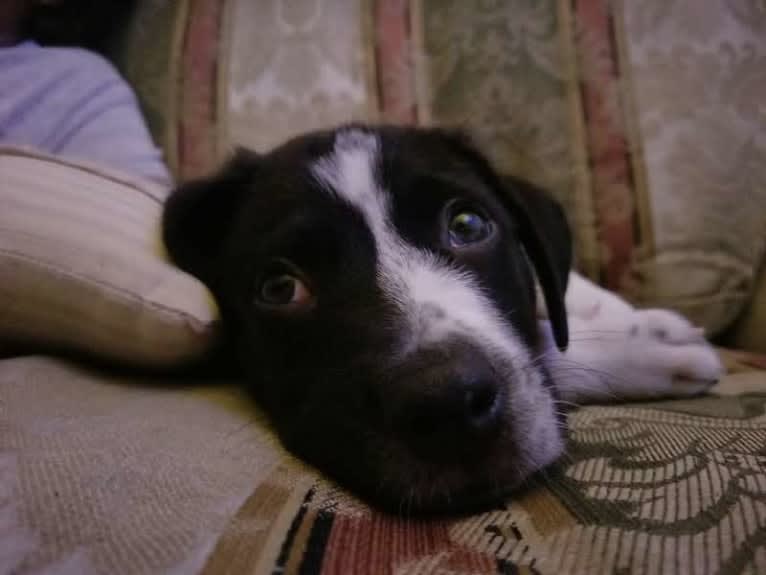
[
  {"x": 644, "y": 119},
  {"x": 110, "y": 474},
  {"x": 748, "y": 332},
  {"x": 82, "y": 266}
]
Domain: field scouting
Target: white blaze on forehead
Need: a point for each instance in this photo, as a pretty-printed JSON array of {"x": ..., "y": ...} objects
[
  {"x": 437, "y": 299},
  {"x": 349, "y": 173}
]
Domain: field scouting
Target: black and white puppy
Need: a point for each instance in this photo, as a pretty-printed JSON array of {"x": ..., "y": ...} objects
[{"x": 379, "y": 287}]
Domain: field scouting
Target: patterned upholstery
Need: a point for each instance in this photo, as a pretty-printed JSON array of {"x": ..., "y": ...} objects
[
  {"x": 664, "y": 487},
  {"x": 644, "y": 119},
  {"x": 104, "y": 473}
]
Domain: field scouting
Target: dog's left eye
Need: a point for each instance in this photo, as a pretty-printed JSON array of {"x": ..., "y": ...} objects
[
  {"x": 284, "y": 290},
  {"x": 467, "y": 226}
]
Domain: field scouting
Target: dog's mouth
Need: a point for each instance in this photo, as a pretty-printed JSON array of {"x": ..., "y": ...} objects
[
  {"x": 476, "y": 498},
  {"x": 457, "y": 430},
  {"x": 456, "y": 487},
  {"x": 403, "y": 477}
]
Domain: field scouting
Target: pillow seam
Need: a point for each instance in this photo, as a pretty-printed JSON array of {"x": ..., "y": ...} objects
[{"x": 120, "y": 291}]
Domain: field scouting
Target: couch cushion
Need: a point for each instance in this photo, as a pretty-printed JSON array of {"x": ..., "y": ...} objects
[
  {"x": 102, "y": 474},
  {"x": 645, "y": 119},
  {"x": 115, "y": 475},
  {"x": 697, "y": 81},
  {"x": 748, "y": 331},
  {"x": 215, "y": 74},
  {"x": 81, "y": 266}
]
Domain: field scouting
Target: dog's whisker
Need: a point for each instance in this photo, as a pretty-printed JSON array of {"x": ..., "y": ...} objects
[
  {"x": 567, "y": 403},
  {"x": 353, "y": 355},
  {"x": 599, "y": 331}
]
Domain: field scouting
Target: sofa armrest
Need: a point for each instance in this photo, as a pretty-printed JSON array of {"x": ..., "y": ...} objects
[{"x": 749, "y": 331}]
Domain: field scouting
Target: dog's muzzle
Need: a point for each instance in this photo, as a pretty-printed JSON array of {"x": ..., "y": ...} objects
[{"x": 448, "y": 404}]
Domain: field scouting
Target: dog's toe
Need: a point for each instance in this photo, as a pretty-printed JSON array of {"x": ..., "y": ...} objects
[
  {"x": 689, "y": 368},
  {"x": 667, "y": 327},
  {"x": 676, "y": 350},
  {"x": 696, "y": 363}
]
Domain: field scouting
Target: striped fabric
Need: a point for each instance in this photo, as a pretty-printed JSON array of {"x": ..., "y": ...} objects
[
  {"x": 656, "y": 488},
  {"x": 81, "y": 266},
  {"x": 642, "y": 118},
  {"x": 99, "y": 475}
]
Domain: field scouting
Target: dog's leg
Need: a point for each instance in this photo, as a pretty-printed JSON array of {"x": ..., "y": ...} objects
[{"x": 619, "y": 352}]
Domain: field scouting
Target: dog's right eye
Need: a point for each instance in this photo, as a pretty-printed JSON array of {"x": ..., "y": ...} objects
[
  {"x": 284, "y": 290},
  {"x": 466, "y": 225}
]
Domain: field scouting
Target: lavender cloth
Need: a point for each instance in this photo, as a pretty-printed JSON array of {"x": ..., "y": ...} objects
[{"x": 72, "y": 102}]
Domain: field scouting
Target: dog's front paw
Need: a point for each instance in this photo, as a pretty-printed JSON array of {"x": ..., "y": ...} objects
[
  {"x": 666, "y": 326},
  {"x": 676, "y": 351}
]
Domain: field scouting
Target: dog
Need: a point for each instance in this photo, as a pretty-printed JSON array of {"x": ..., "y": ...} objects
[{"x": 409, "y": 319}]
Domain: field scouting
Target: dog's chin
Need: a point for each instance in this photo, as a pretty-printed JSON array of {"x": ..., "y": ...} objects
[
  {"x": 389, "y": 468},
  {"x": 392, "y": 477},
  {"x": 470, "y": 484}
]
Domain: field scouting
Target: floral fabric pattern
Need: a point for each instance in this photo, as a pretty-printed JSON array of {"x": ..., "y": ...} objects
[{"x": 646, "y": 120}]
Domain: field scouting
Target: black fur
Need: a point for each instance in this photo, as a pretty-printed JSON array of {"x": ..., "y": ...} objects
[{"x": 326, "y": 377}]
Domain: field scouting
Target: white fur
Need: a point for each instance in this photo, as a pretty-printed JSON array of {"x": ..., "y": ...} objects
[
  {"x": 619, "y": 352},
  {"x": 437, "y": 301},
  {"x": 615, "y": 351}
]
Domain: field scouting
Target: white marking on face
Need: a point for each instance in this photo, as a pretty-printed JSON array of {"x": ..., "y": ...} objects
[
  {"x": 436, "y": 299},
  {"x": 417, "y": 281}
]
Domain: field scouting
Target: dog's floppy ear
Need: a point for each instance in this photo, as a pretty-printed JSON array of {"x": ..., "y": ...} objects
[
  {"x": 550, "y": 221},
  {"x": 198, "y": 214},
  {"x": 543, "y": 231}
]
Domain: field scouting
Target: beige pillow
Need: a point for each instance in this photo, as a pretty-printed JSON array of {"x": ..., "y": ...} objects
[
  {"x": 82, "y": 268},
  {"x": 749, "y": 331}
]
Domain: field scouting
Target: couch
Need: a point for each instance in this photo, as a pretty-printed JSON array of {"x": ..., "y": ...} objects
[{"x": 646, "y": 120}]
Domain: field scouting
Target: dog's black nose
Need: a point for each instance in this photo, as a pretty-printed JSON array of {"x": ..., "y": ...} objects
[
  {"x": 453, "y": 416},
  {"x": 481, "y": 405}
]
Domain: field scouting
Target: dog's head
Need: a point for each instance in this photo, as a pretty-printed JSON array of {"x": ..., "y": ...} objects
[{"x": 378, "y": 285}]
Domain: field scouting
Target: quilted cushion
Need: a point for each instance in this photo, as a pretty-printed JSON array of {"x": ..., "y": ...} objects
[
  {"x": 101, "y": 474},
  {"x": 81, "y": 267},
  {"x": 645, "y": 118}
]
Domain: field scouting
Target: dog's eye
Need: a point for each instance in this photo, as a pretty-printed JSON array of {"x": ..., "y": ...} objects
[
  {"x": 284, "y": 290},
  {"x": 467, "y": 226}
]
